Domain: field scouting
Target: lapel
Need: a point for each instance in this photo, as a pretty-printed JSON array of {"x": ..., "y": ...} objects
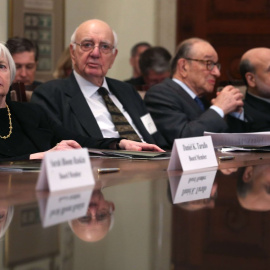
[
  {"x": 256, "y": 109},
  {"x": 257, "y": 104},
  {"x": 81, "y": 109}
]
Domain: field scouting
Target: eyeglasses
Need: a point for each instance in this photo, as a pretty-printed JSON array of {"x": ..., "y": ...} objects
[
  {"x": 99, "y": 216},
  {"x": 209, "y": 64},
  {"x": 88, "y": 46}
]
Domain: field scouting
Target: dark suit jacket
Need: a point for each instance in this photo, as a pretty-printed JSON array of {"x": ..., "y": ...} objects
[
  {"x": 177, "y": 115},
  {"x": 64, "y": 101},
  {"x": 43, "y": 131},
  {"x": 257, "y": 114}
]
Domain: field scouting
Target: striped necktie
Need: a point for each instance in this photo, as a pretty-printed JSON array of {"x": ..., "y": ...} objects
[
  {"x": 200, "y": 103},
  {"x": 122, "y": 125}
]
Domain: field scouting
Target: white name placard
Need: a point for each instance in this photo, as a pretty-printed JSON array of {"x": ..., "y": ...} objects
[
  {"x": 64, "y": 206},
  {"x": 191, "y": 186},
  {"x": 61, "y": 170},
  {"x": 192, "y": 154}
]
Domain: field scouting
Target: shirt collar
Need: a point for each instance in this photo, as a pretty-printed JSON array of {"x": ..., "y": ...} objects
[
  {"x": 87, "y": 87},
  {"x": 185, "y": 87}
]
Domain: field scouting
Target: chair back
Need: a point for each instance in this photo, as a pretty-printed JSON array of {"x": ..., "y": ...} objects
[{"x": 18, "y": 93}]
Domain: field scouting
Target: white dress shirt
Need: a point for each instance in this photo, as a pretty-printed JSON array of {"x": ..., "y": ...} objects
[{"x": 99, "y": 109}]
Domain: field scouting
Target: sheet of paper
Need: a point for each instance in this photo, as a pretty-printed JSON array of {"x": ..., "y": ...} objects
[
  {"x": 129, "y": 154},
  {"x": 237, "y": 139}
]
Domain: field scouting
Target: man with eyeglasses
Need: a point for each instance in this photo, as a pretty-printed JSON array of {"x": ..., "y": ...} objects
[
  {"x": 178, "y": 105},
  {"x": 91, "y": 103}
]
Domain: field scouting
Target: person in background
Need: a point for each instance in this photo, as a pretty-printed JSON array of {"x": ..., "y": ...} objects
[
  {"x": 91, "y": 103},
  {"x": 135, "y": 53},
  {"x": 25, "y": 56},
  {"x": 26, "y": 131},
  {"x": 154, "y": 64},
  {"x": 255, "y": 71},
  {"x": 63, "y": 66},
  {"x": 178, "y": 106}
]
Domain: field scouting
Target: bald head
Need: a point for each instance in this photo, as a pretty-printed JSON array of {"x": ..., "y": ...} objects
[
  {"x": 98, "y": 220},
  {"x": 255, "y": 54},
  {"x": 255, "y": 71},
  {"x": 94, "y": 24},
  {"x": 93, "y": 50}
]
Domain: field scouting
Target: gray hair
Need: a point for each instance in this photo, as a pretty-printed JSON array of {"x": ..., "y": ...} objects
[
  {"x": 4, "y": 52},
  {"x": 245, "y": 67},
  {"x": 156, "y": 59},
  {"x": 183, "y": 51}
]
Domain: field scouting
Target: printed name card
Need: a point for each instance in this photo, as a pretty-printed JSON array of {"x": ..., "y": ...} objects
[
  {"x": 62, "y": 170},
  {"x": 192, "y": 154},
  {"x": 149, "y": 123},
  {"x": 191, "y": 186},
  {"x": 64, "y": 206}
]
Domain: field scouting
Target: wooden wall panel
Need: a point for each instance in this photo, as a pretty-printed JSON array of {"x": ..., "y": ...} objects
[{"x": 231, "y": 26}]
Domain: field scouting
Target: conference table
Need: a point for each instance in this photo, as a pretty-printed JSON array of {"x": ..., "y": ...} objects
[{"x": 141, "y": 217}]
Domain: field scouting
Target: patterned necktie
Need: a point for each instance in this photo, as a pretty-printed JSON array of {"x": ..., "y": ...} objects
[
  {"x": 122, "y": 125},
  {"x": 199, "y": 102}
]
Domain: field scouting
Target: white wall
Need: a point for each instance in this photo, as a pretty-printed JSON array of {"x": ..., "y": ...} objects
[
  {"x": 4, "y": 20},
  {"x": 133, "y": 21}
]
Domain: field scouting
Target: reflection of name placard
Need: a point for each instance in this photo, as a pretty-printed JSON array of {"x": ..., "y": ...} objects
[
  {"x": 62, "y": 170},
  {"x": 192, "y": 154},
  {"x": 64, "y": 206},
  {"x": 191, "y": 186}
]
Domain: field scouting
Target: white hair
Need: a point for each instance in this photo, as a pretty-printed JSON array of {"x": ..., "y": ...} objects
[{"x": 4, "y": 52}]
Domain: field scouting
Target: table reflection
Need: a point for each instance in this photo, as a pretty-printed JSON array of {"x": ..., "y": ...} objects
[
  {"x": 253, "y": 187},
  {"x": 6, "y": 215},
  {"x": 193, "y": 190},
  {"x": 98, "y": 220},
  {"x": 202, "y": 203}
]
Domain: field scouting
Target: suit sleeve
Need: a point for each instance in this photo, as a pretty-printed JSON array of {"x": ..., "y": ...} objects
[
  {"x": 175, "y": 118},
  {"x": 49, "y": 97},
  {"x": 60, "y": 133}
]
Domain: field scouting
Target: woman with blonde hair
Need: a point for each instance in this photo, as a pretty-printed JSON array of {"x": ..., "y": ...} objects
[{"x": 64, "y": 65}]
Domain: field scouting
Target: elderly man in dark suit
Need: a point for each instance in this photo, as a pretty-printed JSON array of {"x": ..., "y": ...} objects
[
  {"x": 255, "y": 71},
  {"x": 91, "y": 103},
  {"x": 178, "y": 106}
]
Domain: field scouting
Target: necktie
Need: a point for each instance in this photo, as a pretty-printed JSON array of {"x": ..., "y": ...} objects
[
  {"x": 199, "y": 102},
  {"x": 122, "y": 125}
]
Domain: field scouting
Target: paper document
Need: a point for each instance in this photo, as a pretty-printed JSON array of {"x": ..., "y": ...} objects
[
  {"x": 20, "y": 166},
  {"x": 129, "y": 154},
  {"x": 245, "y": 149},
  {"x": 240, "y": 139}
]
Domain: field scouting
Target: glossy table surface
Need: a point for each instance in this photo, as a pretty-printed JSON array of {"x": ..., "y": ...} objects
[{"x": 136, "y": 221}]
